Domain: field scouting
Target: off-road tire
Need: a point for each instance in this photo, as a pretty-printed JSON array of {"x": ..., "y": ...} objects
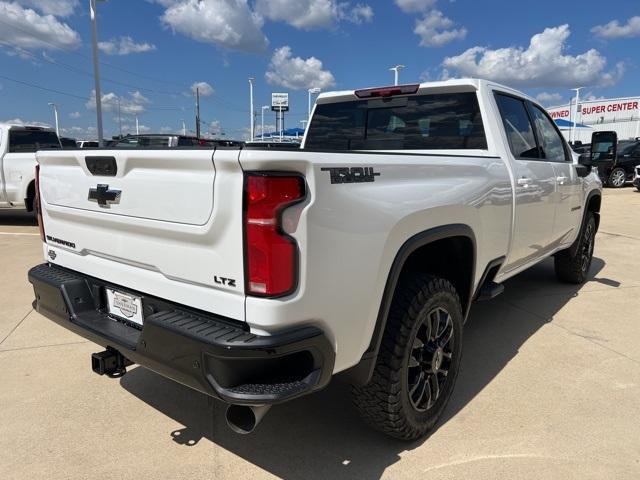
[
  {"x": 575, "y": 268},
  {"x": 384, "y": 403}
]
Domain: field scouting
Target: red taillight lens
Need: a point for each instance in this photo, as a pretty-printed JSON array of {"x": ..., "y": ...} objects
[
  {"x": 271, "y": 254},
  {"x": 36, "y": 204}
]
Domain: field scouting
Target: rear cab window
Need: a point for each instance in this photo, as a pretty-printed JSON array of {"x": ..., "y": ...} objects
[
  {"x": 29, "y": 141},
  {"x": 440, "y": 121}
]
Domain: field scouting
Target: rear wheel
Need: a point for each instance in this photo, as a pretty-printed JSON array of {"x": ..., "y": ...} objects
[
  {"x": 418, "y": 360},
  {"x": 574, "y": 268},
  {"x": 617, "y": 178}
]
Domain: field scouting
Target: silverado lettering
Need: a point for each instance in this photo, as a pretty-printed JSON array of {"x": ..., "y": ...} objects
[{"x": 351, "y": 175}]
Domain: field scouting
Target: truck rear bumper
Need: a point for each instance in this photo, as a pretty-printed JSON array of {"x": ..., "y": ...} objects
[{"x": 211, "y": 354}]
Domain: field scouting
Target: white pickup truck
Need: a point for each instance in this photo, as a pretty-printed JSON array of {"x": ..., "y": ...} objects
[
  {"x": 18, "y": 144},
  {"x": 256, "y": 274}
]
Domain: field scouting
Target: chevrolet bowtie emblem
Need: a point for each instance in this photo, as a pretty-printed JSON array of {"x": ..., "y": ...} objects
[{"x": 104, "y": 196}]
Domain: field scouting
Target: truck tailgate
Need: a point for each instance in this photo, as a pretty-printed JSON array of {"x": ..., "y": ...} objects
[{"x": 168, "y": 223}]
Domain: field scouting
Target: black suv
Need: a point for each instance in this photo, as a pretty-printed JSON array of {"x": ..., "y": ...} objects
[{"x": 616, "y": 172}]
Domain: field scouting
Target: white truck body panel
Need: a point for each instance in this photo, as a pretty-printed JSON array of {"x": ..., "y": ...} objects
[{"x": 179, "y": 223}]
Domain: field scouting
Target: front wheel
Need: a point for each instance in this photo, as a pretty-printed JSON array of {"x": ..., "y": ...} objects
[
  {"x": 418, "y": 361},
  {"x": 574, "y": 267},
  {"x": 617, "y": 178}
]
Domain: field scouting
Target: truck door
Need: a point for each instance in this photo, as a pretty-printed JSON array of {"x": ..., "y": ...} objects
[
  {"x": 534, "y": 185},
  {"x": 568, "y": 195}
]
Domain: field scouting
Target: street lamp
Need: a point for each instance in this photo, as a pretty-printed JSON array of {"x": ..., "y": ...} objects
[
  {"x": 312, "y": 91},
  {"x": 184, "y": 127},
  {"x": 575, "y": 118},
  {"x": 55, "y": 114},
  {"x": 264, "y": 107},
  {"x": 396, "y": 71},
  {"x": 96, "y": 69},
  {"x": 137, "y": 126},
  {"x": 251, "y": 79}
]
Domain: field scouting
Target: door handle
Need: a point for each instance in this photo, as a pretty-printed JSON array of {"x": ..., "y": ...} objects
[
  {"x": 524, "y": 182},
  {"x": 561, "y": 180}
]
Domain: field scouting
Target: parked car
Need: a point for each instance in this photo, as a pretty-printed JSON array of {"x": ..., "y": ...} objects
[
  {"x": 18, "y": 146},
  {"x": 67, "y": 142},
  {"x": 87, "y": 144},
  {"x": 256, "y": 274},
  {"x": 617, "y": 172},
  {"x": 636, "y": 178}
]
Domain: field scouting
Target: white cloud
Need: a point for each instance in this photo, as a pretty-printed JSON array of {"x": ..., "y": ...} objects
[
  {"x": 227, "y": 23},
  {"x": 19, "y": 121},
  {"x": 124, "y": 46},
  {"x": 131, "y": 129},
  {"x": 412, "y": 6},
  {"x": 547, "y": 98},
  {"x": 204, "y": 89},
  {"x": 435, "y": 30},
  {"x": 59, "y": 8},
  {"x": 313, "y": 14},
  {"x": 134, "y": 104},
  {"x": 542, "y": 64},
  {"x": 75, "y": 114},
  {"x": 590, "y": 96},
  {"x": 614, "y": 29},
  {"x": 33, "y": 30},
  {"x": 168, "y": 130},
  {"x": 297, "y": 73}
]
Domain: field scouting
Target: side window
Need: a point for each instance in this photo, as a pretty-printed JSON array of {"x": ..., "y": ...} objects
[
  {"x": 550, "y": 141},
  {"x": 517, "y": 125}
]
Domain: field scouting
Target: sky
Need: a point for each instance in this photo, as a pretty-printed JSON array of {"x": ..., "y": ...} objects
[{"x": 154, "y": 52}]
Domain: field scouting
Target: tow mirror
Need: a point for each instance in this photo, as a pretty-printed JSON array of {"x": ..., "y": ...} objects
[{"x": 604, "y": 147}]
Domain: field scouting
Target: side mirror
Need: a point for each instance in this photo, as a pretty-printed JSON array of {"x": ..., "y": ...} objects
[
  {"x": 604, "y": 146},
  {"x": 583, "y": 168}
]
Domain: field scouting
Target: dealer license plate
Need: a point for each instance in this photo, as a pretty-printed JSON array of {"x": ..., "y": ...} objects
[{"x": 125, "y": 306}]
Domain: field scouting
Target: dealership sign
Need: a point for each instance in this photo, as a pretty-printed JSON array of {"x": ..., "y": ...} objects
[
  {"x": 280, "y": 102},
  {"x": 594, "y": 112}
]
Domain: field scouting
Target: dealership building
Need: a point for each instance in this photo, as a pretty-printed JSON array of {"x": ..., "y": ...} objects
[{"x": 621, "y": 115}]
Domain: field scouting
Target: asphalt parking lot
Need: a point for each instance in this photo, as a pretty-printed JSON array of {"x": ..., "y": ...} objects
[{"x": 549, "y": 388}]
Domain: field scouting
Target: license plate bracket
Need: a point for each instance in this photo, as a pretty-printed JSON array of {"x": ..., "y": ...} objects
[{"x": 125, "y": 306}]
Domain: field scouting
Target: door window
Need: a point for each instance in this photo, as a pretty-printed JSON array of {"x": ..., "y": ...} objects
[
  {"x": 517, "y": 125},
  {"x": 550, "y": 140}
]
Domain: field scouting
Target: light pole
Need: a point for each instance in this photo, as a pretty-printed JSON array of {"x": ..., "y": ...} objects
[
  {"x": 396, "y": 71},
  {"x": 137, "y": 126},
  {"x": 184, "y": 127},
  {"x": 312, "y": 91},
  {"x": 55, "y": 114},
  {"x": 251, "y": 79},
  {"x": 264, "y": 107},
  {"x": 96, "y": 70},
  {"x": 575, "y": 118},
  {"x": 119, "y": 117},
  {"x": 304, "y": 124}
]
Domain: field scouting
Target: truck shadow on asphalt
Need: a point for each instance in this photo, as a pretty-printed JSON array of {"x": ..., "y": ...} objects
[{"x": 321, "y": 436}]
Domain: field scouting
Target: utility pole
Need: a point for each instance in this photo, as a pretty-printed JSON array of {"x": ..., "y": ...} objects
[
  {"x": 251, "y": 113},
  {"x": 96, "y": 70},
  {"x": 396, "y": 71},
  {"x": 575, "y": 118},
  {"x": 197, "y": 113},
  {"x": 55, "y": 114},
  {"x": 264, "y": 107},
  {"x": 312, "y": 91},
  {"x": 281, "y": 122},
  {"x": 137, "y": 126},
  {"x": 184, "y": 127},
  {"x": 304, "y": 124}
]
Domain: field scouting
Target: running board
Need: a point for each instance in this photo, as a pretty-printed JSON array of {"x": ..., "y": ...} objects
[{"x": 490, "y": 290}]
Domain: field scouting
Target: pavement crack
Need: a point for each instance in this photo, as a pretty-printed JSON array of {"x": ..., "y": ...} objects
[
  {"x": 16, "y": 326},
  {"x": 571, "y": 332}
]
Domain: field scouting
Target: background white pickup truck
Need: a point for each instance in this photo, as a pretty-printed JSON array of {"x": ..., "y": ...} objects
[
  {"x": 256, "y": 274},
  {"x": 18, "y": 146}
]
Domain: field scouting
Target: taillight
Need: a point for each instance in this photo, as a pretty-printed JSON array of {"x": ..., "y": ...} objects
[
  {"x": 387, "y": 91},
  {"x": 36, "y": 204},
  {"x": 271, "y": 255}
]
